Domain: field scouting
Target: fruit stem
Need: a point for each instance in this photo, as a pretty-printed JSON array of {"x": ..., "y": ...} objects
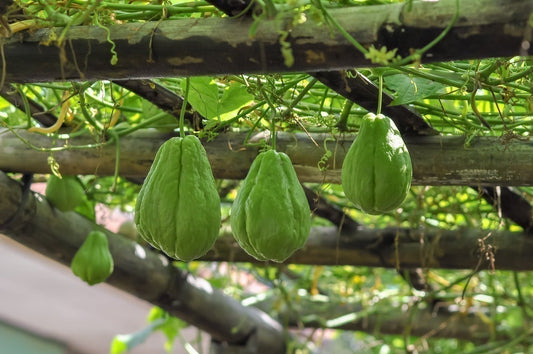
[
  {"x": 184, "y": 108},
  {"x": 380, "y": 94},
  {"x": 273, "y": 124}
]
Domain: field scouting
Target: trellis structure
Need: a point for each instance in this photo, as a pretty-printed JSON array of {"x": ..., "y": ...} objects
[{"x": 187, "y": 47}]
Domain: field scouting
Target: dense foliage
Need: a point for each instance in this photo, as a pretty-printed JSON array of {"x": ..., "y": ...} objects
[{"x": 475, "y": 98}]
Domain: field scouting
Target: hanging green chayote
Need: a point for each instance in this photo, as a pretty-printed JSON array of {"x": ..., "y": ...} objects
[
  {"x": 93, "y": 262},
  {"x": 270, "y": 217},
  {"x": 377, "y": 171}
]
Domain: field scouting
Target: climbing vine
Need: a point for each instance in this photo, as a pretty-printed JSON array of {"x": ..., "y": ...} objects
[{"x": 469, "y": 98}]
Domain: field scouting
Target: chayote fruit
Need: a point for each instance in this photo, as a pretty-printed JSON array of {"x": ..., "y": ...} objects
[
  {"x": 178, "y": 207},
  {"x": 377, "y": 172},
  {"x": 65, "y": 193},
  {"x": 93, "y": 262},
  {"x": 270, "y": 217}
]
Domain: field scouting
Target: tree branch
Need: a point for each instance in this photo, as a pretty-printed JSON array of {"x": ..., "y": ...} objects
[
  {"x": 401, "y": 249},
  {"x": 324, "y": 209},
  {"x": 10, "y": 94},
  {"x": 511, "y": 205},
  {"x": 357, "y": 88},
  {"x": 162, "y": 97},
  {"x": 138, "y": 271},
  {"x": 437, "y": 160},
  {"x": 219, "y": 46},
  {"x": 143, "y": 273},
  {"x": 443, "y": 322}
]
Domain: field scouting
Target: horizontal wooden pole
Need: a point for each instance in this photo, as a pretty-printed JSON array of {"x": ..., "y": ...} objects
[
  {"x": 220, "y": 46},
  {"x": 442, "y": 320},
  {"x": 145, "y": 274},
  {"x": 142, "y": 272},
  {"x": 437, "y": 160},
  {"x": 402, "y": 249}
]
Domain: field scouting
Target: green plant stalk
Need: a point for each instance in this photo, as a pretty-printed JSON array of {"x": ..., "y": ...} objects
[
  {"x": 319, "y": 108},
  {"x": 113, "y": 105},
  {"x": 510, "y": 85},
  {"x": 54, "y": 149},
  {"x": 301, "y": 95},
  {"x": 114, "y": 54},
  {"x": 184, "y": 107},
  {"x": 473, "y": 105},
  {"x": 243, "y": 113},
  {"x": 25, "y": 103},
  {"x": 83, "y": 106},
  {"x": 256, "y": 123},
  {"x": 459, "y": 97},
  {"x": 519, "y": 75},
  {"x": 52, "y": 86},
  {"x": 142, "y": 124},
  {"x": 345, "y": 113},
  {"x": 430, "y": 76},
  {"x": 380, "y": 95},
  {"x": 40, "y": 97},
  {"x": 190, "y": 7},
  {"x": 273, "y": 128},
  {"x": 323, "y": 99},
  {"x": 455, "y": 67},
  {"x": 430, "y": 109},
  {"x": 116, "y": 139},
  {"x": 171, "y": 10},
  {"x": 418, "y": 53},
  {"x": 489, "y": 69},
  {"x": 273, "y": 115},
  {"x": 58, "y": 18}
]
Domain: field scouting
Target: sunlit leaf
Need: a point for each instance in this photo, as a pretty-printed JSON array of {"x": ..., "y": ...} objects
[{"x": 411, "y": 88}]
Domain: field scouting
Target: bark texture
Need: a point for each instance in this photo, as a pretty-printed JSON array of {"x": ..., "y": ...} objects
[
  {"x": 402, "y": 249},
  {"x": 27, "y": 217},
  {"x": 219, "y": 46},
  {"x": 437, "y": 160}
]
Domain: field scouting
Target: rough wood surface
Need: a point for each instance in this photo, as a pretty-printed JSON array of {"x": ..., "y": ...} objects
[
  {"x": 138, "y": 271},
  {"x": 402, "y": 248},
  {"x": 218, "y": 46},
  {"x": 437, "y": 160},
  {"x": 438, "y": 320},
  {"x": 143, "y": 273}
]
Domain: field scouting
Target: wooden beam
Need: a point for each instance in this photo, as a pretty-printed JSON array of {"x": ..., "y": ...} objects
[
  {"x": 219, "y": 46},
  {"x": 402, "y": 249},
  {"x": 437, "y": 320},
  {"x": 437, "y": 160},
  {"x": 29, "y": 219}
]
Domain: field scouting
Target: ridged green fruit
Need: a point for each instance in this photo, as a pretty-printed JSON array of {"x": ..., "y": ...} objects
[
  {"x": 270, "y": 217},
  {"x": 93, "y": 262},
  {"x": 64, "y": 193},
  {"x": 377, "y": 172},
  {"x": 178, "y": 207}
]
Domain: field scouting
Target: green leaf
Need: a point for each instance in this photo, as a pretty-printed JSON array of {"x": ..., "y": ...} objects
[
  {"x": 169, "y": 325},
  {"x": 87, "y": 209},
  {"x": 204, "y": 98},
  {"x": 234, "y": 98},
  {"x": 167, "y": 121},
  {"x": 411, "y": 88},
  {"x": 118, "y": 345},
  {"x": 124, "y": 342}
]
